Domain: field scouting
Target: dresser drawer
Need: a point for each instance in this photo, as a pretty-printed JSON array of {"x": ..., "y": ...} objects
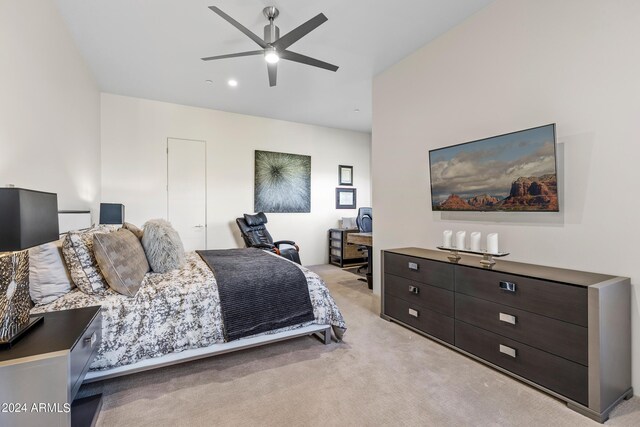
[
  {"x": 421, "y": 270},
  {"x": 420, "y": 318},
  {"x": 554, "y": 336},
  {"x": 567, "y": 378},
  {"x": 563, "y": 302},
  {"x": 431, "y": 297},
  {"x": 83, "y": 352}
]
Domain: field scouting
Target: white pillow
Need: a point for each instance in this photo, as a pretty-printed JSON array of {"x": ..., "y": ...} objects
[{"x": 48, "y": 275}]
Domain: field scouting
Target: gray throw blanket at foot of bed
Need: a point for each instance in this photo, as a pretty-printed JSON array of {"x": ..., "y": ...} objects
[{"x": 259, "y": 292}]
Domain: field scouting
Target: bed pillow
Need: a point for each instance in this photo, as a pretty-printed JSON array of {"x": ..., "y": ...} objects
[
  {"x": 49, "y": 278},
  {"x": 132, "y": 228},
  {"x": 163, "y": 246},
  {"x": 121, "y": 260},
  {"x": 77, "y": 248}
]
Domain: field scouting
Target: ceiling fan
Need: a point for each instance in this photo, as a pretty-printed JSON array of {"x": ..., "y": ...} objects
[{"x": 273, "y": 46}]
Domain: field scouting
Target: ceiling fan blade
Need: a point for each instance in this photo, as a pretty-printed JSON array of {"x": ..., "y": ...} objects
[
  {"x": 297, "y": 33},
  {"x": 234, "y": 55},
  {"x": 273, "y": 74},
  {"x": 239, "y": 26},
  {"x": 296, "y": 57}
]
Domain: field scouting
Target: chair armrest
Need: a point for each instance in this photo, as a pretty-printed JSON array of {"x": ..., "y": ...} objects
[{"x": 286, "y": 242}]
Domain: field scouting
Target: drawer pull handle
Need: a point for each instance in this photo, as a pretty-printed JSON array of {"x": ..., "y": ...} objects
[
  {"x": 508, "y": 350},
  {"x": 413, "y": 312},
  {"x": 91, "y": 340},
  {"x": 414, "y": 266},
  {"x": 414, "y": 290},
  {"x": 508, "y": 286},
  {"x": 508, "y": 318}
]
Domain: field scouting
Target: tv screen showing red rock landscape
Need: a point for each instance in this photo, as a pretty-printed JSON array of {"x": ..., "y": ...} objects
[{"x": 512, "y": 172}]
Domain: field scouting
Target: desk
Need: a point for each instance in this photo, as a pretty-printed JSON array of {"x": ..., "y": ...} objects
[
  {"x": 341, "y": 253},
  {"x": 365, "y": 239}
]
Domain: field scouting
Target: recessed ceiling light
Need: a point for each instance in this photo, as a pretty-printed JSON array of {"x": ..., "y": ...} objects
[
  {"x": 209, "y": 81},
  {"x": 232, "y": 83},
  {"x": 356, "y": 110}
]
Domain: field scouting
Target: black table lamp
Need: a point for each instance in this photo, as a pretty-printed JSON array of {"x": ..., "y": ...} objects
[
  {"x": 111, "y": 213},
  {"x": 27, "y": 218}
]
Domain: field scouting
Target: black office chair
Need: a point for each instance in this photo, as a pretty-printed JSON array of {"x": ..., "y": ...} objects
[
  {"x": 255, "y": 235},
  {"x": 364, "y": 220}
]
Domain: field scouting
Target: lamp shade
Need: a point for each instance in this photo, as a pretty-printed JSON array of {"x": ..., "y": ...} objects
[
  {"x": 111, "y": 213},
  {"x": 27, "y": 218}
]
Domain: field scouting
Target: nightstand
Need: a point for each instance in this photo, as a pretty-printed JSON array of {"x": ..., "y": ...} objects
[{"x": 41, "y": 374}]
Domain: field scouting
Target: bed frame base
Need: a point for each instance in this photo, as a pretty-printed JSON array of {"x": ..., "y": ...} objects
[{"x": 321, "y": 331}]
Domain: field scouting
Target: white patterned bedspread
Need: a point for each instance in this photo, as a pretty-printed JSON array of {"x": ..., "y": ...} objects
[{"x": 172, "y": 312}]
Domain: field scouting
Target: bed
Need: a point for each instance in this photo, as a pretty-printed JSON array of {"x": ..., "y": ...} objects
[{"x": 176, "y": 317}]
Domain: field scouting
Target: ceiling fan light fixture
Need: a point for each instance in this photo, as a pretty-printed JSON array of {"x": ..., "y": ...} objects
[{"x": 271, "y": 56}]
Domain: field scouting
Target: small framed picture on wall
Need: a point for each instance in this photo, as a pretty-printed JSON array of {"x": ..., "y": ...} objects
[
  {"x": 345, "y": 198},
  {"x": 345, "y": 175}
]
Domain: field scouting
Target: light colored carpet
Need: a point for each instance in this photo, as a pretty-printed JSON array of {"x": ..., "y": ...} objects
[{"x": 382, "y": 374}]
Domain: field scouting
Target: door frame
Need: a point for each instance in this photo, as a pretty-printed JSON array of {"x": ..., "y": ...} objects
[{"x": 206, "y": 187}]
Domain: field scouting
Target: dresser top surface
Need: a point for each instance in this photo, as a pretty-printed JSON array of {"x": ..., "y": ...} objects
[
  {"x": 59, "y": 332},
  {"x": 573, "y": 277}
]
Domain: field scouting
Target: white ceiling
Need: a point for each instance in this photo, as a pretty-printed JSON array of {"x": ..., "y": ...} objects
[{"x": 152, "y": 49}]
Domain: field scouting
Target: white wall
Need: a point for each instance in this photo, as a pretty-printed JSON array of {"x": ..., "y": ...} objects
[
  {"x": 515, "y": 65},
  {"x": 134, "y": 167},
  {"x": 49, "y": 107}
]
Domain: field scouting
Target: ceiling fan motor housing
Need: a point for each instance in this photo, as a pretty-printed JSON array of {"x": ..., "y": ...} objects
[{"x": 271, "y": 33}]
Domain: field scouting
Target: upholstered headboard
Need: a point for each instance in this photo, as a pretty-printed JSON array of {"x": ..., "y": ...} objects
[{"x": 73, "y": 220}]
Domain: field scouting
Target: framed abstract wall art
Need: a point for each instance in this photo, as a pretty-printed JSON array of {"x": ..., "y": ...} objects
[{"x": 282, "y": 182}]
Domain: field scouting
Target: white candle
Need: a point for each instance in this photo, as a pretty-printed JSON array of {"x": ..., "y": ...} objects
[
  {"x": 461, "y": 237},
  {"x": 446, "y": 238},
  {"x": 475, "y": 241},
  {"x": 492, "y": 243}
]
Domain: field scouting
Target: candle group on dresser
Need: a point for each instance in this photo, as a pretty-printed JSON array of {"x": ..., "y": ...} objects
[{"x": 475, "y": 239}]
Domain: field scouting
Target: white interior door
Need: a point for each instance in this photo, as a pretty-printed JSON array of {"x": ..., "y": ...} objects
[{"x": 187, "y": 191}]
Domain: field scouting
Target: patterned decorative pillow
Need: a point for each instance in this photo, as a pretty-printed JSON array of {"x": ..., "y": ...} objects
[
  {"x": 122, "y": 260},
  {"x": 77, "y": 249}
]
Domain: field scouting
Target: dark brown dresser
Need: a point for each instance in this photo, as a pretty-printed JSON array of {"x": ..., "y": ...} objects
[{"x": 565, "y": 332}]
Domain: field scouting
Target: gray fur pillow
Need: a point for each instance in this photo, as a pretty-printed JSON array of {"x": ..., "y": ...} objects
[{"x": 162, "y": 245}]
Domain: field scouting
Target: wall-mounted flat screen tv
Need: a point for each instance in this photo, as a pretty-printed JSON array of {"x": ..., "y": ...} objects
[{"x": 512, "y": 172}]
